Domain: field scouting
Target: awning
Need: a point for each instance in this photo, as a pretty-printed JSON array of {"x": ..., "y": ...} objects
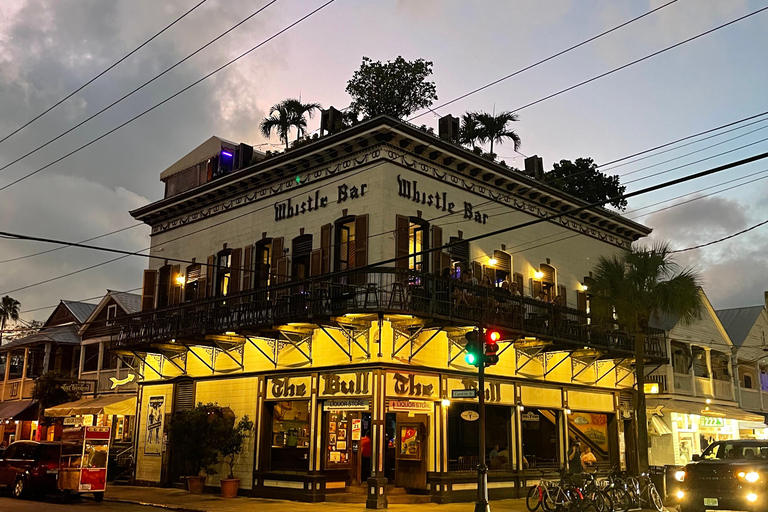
[
  {"x": 702, "y": 409},
  {"x": 10, "y": 410},
  {"x": 752, "y": 425},
  {"x": 109, "y": 405},
  {"x": 658, "y": 425}
]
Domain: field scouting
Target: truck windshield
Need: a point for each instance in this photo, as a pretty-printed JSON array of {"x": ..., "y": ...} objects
[{"x": 736, "y": 451}]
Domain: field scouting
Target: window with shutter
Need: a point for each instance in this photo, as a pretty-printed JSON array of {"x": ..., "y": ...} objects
[
  {"x": 581, "y": 301},
  {"x": 418, "y": 241},
  {"x": 344, "y": 255},
  {"x": 316, "y": 263},
  {"x": 148, "y": 290},
  {"x": 361, "y": 240},
  {"x": 437, "y": 241},
  {"x": 235, "y": 264},
  {"x": 192, "y": 285},
  {"x": 164, "y": 287},
  {"x": 210, "y": 274},
  {"x": 277, "y": 254},
  {"x": 401, "y": 242},
  {"x": 263, "y": 263},
  {"x": 562, "y": 291},
  {"x": 300, "y": 257},
  {"x": 247, "y": 267},
  {"x": 176, "y": 284},
  {"x": 223, "y": 273},
  {"x": 503, "y": 266},
  {"x": 518, "y": 278},
  {"x": 325, "y": 248},
  {"x": 459, "y": 249}
]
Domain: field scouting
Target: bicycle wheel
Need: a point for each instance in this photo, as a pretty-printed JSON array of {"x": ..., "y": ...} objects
[
  {"x": 655, "y": 498},
  {"x": 620, "y": 498},
  {"x": 633, "y": 488},
  {"x": 533, "y": 501}
]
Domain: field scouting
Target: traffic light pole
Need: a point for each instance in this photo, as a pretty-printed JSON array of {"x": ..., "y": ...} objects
[{"x": 482, "y": 504}]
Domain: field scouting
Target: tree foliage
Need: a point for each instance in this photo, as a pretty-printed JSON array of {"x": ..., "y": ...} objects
[
  {"x": 194, "y": 438},
  {"x": 287, "y": 114},
  {"x": 233, "y": 438},
  {"x": 494, "y": 128},
  {"x": 630, "y": 289},
  {"x": 583, "y": 180},
  {"x": 9, "y": 310},
  {"x": 396, "y": 88},
  {"x": 49, "y": 392}
]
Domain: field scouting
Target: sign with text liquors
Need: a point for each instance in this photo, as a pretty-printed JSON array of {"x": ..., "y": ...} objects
[
  {"x": 345, "y": 384},
  {"x": 318, "y": 200},
  {"x": 410, "y": 406},
  {"x": 495, "y": 392},
  {"x": 346, "y": 405},
  {"x": 289, "y": 388},
  {"x": 412, "y": 385}
]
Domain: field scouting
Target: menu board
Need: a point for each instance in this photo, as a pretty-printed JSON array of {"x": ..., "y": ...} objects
[{"x": 339, "y": 439}]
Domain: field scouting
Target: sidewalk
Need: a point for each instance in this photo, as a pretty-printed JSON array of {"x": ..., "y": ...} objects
[{"x": 181, "y": 500}]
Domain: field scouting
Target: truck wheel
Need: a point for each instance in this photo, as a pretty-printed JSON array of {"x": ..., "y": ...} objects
[
  {"x": 19, "y": 489},
  {"x": 98, "y": 497}
]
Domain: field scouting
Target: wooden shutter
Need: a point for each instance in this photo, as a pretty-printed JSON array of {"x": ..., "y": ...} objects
[
  {"x": 437, "y": 241},
  {"x": 519, "y": 280},
  {"x": 535, "y": 288},
  {"x": 234, "y": 275},
  {"x": 148, "y": 290},
  {"x": 316, "y": 263},
  {"x": 445, "y": 261},
  {"x": 210, "y": 274},
  {"x": 277, "y": 252},
  {"x": 247, "y": 267},
  {"x": 563, "y": 292},
  {"x": 402, "y": 225},
  {"x": 325, "y": 248},
  {"x": 477, "y": 271},
  {"x": 361, "y": 240},
  {"x": 281, "y": 268},
  {"x": 174, "y": 287},
  {"x": 581, "y": 301}
]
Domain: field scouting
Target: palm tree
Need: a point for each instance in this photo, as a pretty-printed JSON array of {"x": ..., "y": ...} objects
[
  {"x": 469, "y": 133},
  {"x": 629, "y": 289},
  {"x": 493, "y": 128},
  {"x": 9, "y": 310},
  {"x": 286, "y": 115}
]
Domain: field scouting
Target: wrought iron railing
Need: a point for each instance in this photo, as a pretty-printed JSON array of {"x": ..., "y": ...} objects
[{"x": 385, "y": 290}]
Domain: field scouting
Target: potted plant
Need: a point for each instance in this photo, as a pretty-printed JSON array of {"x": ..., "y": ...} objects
[
  {"x": 193, "y": 443},
  {"x": 232, "y": 439}
]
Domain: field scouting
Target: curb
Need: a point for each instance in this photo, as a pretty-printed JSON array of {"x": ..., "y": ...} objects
[{"x": 177, "y": 508}]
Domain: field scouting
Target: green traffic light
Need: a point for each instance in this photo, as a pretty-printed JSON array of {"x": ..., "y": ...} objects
[{"x": 470, "y": 358}]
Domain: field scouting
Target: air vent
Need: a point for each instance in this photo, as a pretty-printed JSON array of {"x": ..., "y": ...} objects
[
  {"x": 185, "y": 395},
  {"x": 302, "y": 245}
]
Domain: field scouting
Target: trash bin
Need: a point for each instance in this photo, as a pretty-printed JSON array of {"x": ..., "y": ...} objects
[{"x": 658, "y": 476}]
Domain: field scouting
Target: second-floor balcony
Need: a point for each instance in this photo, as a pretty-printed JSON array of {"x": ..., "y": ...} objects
[{"x": 440, "y": 301}]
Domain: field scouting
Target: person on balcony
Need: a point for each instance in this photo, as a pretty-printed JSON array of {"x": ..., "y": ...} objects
[{"x": 542, "y": 296}]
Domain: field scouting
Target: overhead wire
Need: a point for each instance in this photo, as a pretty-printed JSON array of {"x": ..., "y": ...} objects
[
  {"x": 89, "y": 82},
  {"x": 169, "y": 98}
]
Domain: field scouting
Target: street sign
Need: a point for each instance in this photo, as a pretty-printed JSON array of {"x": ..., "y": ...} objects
[
  {"x": 464, "y": 393},
  {"x": 470, "y": 415}
]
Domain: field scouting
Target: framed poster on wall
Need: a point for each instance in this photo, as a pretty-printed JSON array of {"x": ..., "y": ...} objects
[
  {"x": 153, "y": 442},
  {"x": 337, "y": 432},
  {"x": 408, "y": 441}
]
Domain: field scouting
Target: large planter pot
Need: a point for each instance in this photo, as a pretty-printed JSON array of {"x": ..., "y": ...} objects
[
  {"x": 196, "y": 484},
  {"x": 229, "y": 487}
]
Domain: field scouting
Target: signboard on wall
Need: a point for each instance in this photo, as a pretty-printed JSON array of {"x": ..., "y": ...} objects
[
  {"x": 346, "y": 405},
  {"x": 412, "y": 385},
  {"x": 710, "y": 422},
  {"x": 288, "y": 388},
  {"x": 153, "y": 442},
  {"x": 410, "y": 406},
  {"x": 345, "y": 384},
  {"x": 495, "y": 392}
]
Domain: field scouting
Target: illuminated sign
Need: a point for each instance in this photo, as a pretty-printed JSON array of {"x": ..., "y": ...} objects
[
  {"x": 651, "y": 388},
  {"x": 708, "y": 421}
]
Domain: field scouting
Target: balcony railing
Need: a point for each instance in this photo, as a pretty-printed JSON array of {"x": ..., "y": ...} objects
[
  {"x": 383, "y": 290},
  {"x": 750, "y": 399},
  {"x": 723, "y": 389},
  {"x": 683, "y": 384},
  {"x": 703, "y": 386}
]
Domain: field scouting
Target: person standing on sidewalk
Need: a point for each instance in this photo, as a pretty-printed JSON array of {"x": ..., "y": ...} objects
[{"x": 365, "y": 453}]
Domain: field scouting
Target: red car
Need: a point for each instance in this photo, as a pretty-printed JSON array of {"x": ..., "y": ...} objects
[{"x": 30, "y": 466}]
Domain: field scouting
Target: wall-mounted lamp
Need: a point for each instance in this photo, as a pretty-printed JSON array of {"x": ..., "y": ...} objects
[
  {"x": 180, "y": 280},
  {"x": 230, "y": 333},
  {"x": 709, "y": 401},
  {"x": 538, "y": 274},
  {"x": 445, "y": 402},
  {"x": 567, "y": 411},
  {"x": 492, "y": 262},
  {"x": 520, "y": 406},
  {"x": 583, "y": 287}
]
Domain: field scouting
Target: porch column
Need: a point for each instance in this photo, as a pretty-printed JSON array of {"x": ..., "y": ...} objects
[
  {"x": 692, "y": 373},
  {"x": 24, "y": 373},
  {"x": 47, "y": 357},
  {"x": 708, "y": 351},
  {"x": 760, "y": 385},
  {"x": 735, "y": 379},
  {"x": 376, "y": 496}
]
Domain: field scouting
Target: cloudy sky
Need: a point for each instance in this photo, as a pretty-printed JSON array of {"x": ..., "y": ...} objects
[{"x": 48, "y": 48}]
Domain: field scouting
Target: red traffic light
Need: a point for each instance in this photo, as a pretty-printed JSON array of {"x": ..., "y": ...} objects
[
  {"x": 491, "y": 347},
  {"x": 493, "y": 336}
]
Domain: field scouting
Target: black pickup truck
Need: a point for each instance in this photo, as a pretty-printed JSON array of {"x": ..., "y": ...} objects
[{"x": 729, "y": 475}]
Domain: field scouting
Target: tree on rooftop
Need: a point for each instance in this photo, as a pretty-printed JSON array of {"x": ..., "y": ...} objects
[
  {"x": 9, "y": 310},
  {"x": 287, "y": 114},
  {"x": 397, "y": 88},
  {"x": 493, "y": 128},
  {"x": 583, "y": 180},
  {"x": 469, "y": 133},
  {"x": 629, "y": 289}
]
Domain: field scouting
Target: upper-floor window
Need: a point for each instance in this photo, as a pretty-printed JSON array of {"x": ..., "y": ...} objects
[
  {"x": 91, "y": 357},
  {"x": 748, "y": 381},
  {"x": 111, "y": 314},
  {"x": 720, "y": 365},
  {"x": 681, "y": 357},
  {"x": 700, "y": 368},
  {"x": 301, "y": 252},
  {"x": 16, "y": 365},
  {"x": 418, "y": 230},
  {"x": 164, "y": 286},
  {"x": 223, "y": 273},
  {"x": 263, "y": 263},
  {"x": 192, "y": 283},
  {"x": 35, "y": 361},
  {"x": 345, "y": 244},
  {"x": 502, "y": 266}
]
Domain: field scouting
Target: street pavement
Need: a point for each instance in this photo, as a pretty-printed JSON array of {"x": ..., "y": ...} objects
[{"x": 139, "y": 499}]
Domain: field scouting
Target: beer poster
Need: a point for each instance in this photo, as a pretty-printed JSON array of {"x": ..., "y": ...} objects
[{"x": 153, "y": 443}]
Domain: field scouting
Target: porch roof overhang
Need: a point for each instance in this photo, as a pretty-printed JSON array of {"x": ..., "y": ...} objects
[
  {"x": 702, "y": 409},
  {"x": 109, "y": 405},
  {"x": 13, "y": 409}
]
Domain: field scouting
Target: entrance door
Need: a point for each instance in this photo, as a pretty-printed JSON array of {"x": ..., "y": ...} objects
[{"x": 411, "y": 450}]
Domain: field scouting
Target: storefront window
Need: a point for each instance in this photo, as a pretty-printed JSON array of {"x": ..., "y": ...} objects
[
  {"x": 290, "y": 436},
  {"x": 540, "y": 438},
  {"x": 463, "y": 436},
  {"x": 591, "y": 430}
]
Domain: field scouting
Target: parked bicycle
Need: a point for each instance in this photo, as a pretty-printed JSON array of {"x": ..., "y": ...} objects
[
  {"x": 644, "y": 493},
  {"x": 537, "y": 493},
  {"x": 616, "y": 488}
]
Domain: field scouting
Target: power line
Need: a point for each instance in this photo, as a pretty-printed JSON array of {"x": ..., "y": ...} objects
[
  {"x": 486, "y": 86},
  {"x": 89, "y": 82},
  {"x": 81, "y": 300},
  {"x": 734, "y": 235},
  {"x": 81, "y": 123}
]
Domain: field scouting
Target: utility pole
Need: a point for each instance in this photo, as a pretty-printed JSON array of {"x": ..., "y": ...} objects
[{"x": 482, "y": 504}]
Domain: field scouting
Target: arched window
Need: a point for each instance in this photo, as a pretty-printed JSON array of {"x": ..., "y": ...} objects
[
  {"x": 412, "y": 237},
  {"x": 300, "y": 253},
  {"x": 192, "y": 283}
]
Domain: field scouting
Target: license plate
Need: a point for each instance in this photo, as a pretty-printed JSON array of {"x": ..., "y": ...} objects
[{"x": 710, "y": 502}]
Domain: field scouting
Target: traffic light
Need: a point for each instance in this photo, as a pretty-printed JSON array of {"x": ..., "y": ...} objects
[
  {"x": 474, "y": 351},
  {"x": 491, "y": 347}
]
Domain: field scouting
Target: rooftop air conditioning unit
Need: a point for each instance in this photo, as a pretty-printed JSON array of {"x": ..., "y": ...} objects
[
  {"x": 330, "y": 120},
  {"x": 448, "y": 128}
]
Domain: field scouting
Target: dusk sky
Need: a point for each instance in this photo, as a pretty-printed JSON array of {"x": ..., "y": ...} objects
[{"x": 48, "y": 48}]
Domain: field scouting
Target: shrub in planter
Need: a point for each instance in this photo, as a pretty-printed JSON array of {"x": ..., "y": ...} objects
[
  {"x": 232, "y": 437},
  {"x": 194, "y": 440}
]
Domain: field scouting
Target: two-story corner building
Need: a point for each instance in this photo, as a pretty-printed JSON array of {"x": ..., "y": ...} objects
[
  {"x": 110, "y": 383},
  {"x": 56, "y": 346},
  {"x": 696, "y": 402},
  {"x": 280, "y": 310},
  {"x": 747, "y": 328}
]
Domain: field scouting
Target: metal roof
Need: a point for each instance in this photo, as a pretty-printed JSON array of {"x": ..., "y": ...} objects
[
  {"x": 664, "y": 322},
  {"x": 81, "y": 310},
  {"x": 739, "y": 321},
  {"x": 62, "y": 334},
  {"x": 130, "y": 302}
]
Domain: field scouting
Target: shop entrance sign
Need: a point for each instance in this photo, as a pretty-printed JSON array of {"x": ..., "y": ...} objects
[
  {"x": 470, "y": 415},
  {"x": 708, "y": 421},
  {"x": 346, "y": 405},
  {"x": 410, "y": 406}
]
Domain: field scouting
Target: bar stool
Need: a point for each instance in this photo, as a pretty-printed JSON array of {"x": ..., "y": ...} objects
[
  {"x": 398, "y": 291},
  {"x": 371, "y": 290}
]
